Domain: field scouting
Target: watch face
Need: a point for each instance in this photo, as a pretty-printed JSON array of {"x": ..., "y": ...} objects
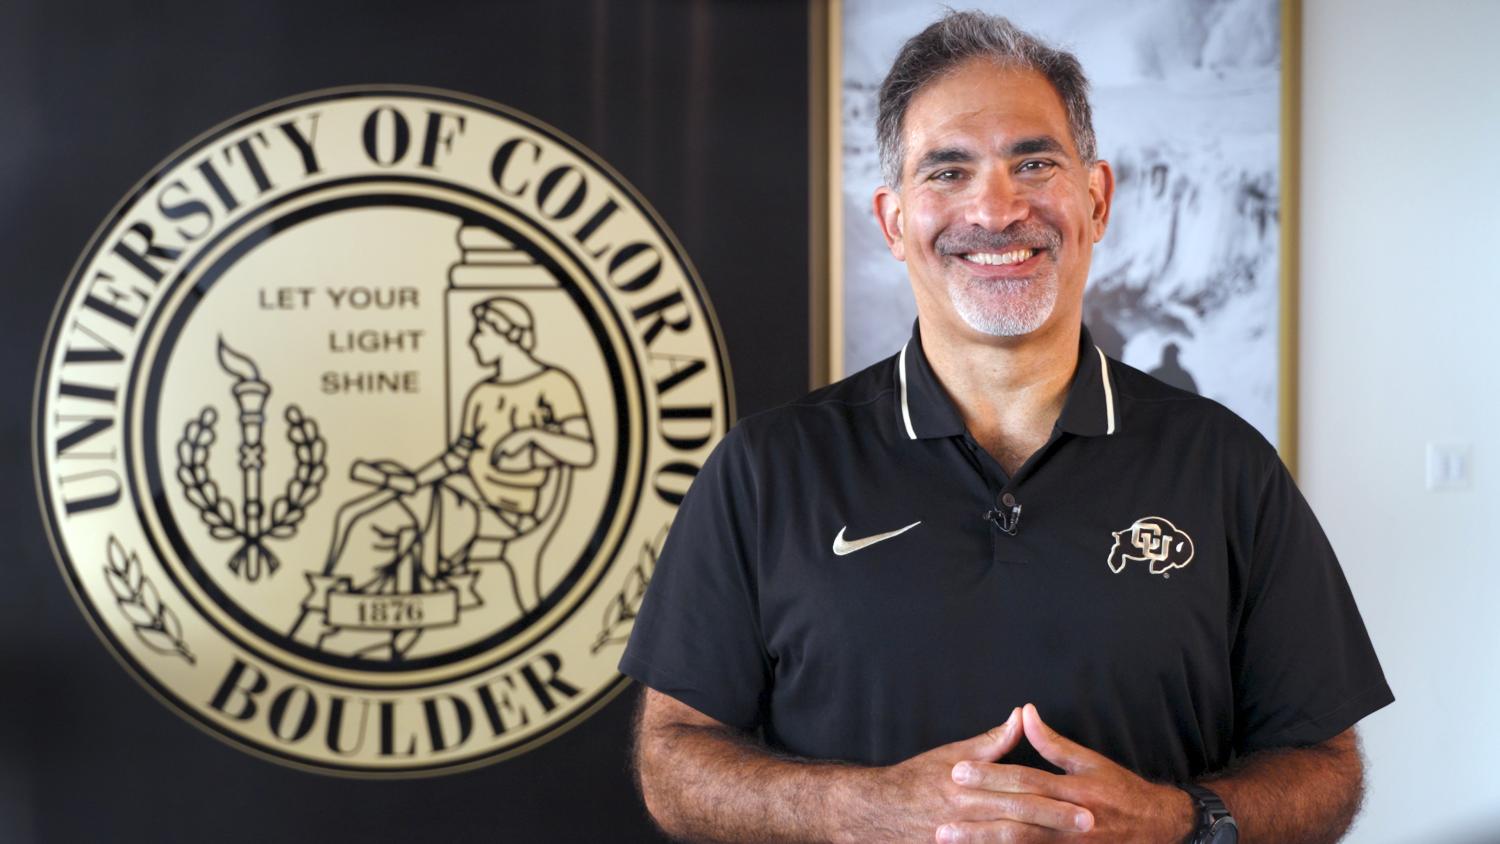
[{"x": 1224, "y": 831}]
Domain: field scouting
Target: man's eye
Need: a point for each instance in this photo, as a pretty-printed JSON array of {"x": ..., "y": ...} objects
[
  {"x": 947, "y": 175},
  {"x": 1036, "y": 165}
]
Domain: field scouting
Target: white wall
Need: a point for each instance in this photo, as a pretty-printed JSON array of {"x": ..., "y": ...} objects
[{"x": 1400, "y": 309}]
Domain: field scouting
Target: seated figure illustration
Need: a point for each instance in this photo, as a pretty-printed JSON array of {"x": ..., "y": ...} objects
[{"x": 405, "y": 556}]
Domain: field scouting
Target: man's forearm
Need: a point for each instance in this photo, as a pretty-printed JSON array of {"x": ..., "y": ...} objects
[
  {"x": 1306, "y": 795},
  {"x": 704, "y": 780},
  {"x": 708, "y": 784}
]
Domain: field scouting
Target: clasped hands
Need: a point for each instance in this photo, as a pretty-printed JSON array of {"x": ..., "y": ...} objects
[{"x": 960, "y": 792}]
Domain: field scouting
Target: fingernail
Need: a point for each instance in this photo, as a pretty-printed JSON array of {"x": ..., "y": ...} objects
[
  {"x": 947, "y": 833},
  {"x": 963, "y": 772},
  {"x": 1084, "y": 821}
]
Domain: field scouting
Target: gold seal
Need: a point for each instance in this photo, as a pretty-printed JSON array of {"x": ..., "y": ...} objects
[{"x": 361, "y": 420}]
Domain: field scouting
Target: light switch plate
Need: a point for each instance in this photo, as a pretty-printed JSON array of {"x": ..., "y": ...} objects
[{"x": 1447, "y": 466}]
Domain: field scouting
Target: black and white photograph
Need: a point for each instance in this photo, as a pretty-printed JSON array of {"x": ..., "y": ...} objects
[{"x": 1186, "y": 96}]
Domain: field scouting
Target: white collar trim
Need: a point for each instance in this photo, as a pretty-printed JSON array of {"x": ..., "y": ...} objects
[
  {"x": 905, "y": 409},
  {"x": 1109, "y": 393}
]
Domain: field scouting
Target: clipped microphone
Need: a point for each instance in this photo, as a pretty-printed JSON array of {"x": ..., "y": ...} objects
[{"x": 1007, "y": 517}]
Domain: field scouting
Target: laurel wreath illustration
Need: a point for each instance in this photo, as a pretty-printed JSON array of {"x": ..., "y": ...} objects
[
  {"x": 619, "y": 614},
  {"x": 154, "y": 622},
  {"x": 218, "y": 512}
]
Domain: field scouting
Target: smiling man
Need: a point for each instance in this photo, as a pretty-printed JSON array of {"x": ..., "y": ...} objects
[{"x": 998, "y": 587}]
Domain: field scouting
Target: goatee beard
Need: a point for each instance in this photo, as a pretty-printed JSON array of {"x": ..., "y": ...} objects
[{"x": 1004, "y": 307}]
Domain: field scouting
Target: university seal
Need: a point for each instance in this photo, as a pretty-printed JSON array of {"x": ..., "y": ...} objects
[{"x": 360, "y": 422}]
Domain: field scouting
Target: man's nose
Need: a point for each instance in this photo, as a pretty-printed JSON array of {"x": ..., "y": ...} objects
[{"x": 998, "y": 203}]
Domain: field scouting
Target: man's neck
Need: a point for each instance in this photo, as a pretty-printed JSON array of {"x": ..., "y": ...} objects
[{"x": 1009, "y": 392}]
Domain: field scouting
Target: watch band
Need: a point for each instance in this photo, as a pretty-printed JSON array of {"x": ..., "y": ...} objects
[{"x": 1215, "y": 823}]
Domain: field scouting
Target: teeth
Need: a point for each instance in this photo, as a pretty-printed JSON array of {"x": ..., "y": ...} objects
[{"x": 1012, "y": 257}]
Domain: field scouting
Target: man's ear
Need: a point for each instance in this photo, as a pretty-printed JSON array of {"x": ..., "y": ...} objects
[
  {"x": 888, "y": 214},
  {"x": 1102, "y": 192}
]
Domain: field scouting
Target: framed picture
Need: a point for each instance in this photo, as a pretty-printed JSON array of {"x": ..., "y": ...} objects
[{"x": 1194, "y": 106}]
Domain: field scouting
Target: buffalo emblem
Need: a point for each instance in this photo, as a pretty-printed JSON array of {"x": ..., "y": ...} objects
[{"x": 1152, "y": 540}]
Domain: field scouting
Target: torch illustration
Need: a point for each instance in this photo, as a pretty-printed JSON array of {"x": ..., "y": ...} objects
[
  {"x": 250, "y": 393},
  {"x": 253, "y": 525}
]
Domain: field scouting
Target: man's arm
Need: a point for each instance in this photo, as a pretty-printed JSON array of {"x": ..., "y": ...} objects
[
  {"x": 1305, "y": 795},
  {"x": 705, "y": 781}
]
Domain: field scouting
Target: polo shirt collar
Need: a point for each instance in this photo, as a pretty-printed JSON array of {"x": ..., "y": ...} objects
[
  {"x": 1090, "y": 409},
  {"x": 924, "y": 410}
]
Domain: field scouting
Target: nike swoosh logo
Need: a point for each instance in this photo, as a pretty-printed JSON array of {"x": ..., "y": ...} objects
[{"x": 842, "y": 546}]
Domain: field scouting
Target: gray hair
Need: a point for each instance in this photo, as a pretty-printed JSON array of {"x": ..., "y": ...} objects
[{"x": 957, "y": 38}]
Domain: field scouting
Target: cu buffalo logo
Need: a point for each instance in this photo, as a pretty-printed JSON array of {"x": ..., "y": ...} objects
[{"x": 1152, "y": 540}]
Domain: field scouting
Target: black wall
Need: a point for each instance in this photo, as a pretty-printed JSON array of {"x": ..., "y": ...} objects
[{"x": 702, "y": 106}]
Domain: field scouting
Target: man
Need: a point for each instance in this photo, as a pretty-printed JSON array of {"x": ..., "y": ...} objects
[{"x": 1120, "y": 575}]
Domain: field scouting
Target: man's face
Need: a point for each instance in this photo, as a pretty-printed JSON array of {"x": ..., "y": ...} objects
[{"x": 997, "y": 216}]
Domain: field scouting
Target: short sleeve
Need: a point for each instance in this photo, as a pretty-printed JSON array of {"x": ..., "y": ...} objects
[
  {"x": 1304, "y": 667},
  {"x": 697, "y": 636}
]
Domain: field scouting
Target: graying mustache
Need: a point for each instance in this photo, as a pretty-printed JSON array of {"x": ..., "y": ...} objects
[{"x": 972, "y": 240}]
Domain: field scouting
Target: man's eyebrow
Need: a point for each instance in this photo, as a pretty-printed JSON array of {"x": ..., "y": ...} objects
[
  {"x": 943, "y": 155},
  {"x": 1032, "y": 146}
]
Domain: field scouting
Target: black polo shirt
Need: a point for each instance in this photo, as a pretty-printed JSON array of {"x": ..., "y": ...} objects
[{"x": 1167, "y": 597}]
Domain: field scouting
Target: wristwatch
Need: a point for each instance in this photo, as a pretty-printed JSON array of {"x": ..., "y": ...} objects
[{"x": 1215, "y": 824}]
